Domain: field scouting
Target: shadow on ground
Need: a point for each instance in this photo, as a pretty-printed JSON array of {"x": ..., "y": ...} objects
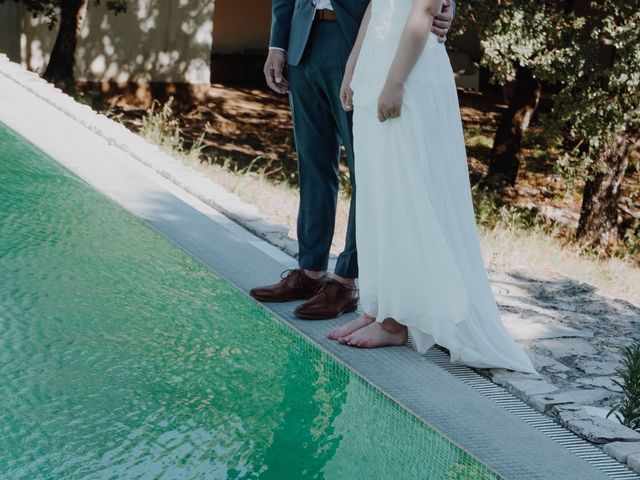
[{"x": 574, "y": 334}]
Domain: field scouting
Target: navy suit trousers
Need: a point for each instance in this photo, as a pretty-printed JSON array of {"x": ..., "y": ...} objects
[{"x": 321, "y": 126}]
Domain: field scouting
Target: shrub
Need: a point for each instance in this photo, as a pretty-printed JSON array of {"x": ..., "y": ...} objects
[{"x": 628, "y": 409}]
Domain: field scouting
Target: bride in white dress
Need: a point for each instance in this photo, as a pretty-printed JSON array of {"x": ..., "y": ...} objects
[{"x": 422, "y": 277}]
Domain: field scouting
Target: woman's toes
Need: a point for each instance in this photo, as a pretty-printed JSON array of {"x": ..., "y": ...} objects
[
  {"x": 350, "y": 328},
  {"x": 337, "y": 333},
  {"x": 375, "y": 335}
]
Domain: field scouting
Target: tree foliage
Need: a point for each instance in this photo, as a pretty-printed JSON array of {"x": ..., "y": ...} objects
[
  {"x": 600, "y": 98},
  {"x": 591, "y": 53},
  {"x": 515, "y": 33},
  {"x": 521, "y": 47},
  {"x": 588, "y": 50}
]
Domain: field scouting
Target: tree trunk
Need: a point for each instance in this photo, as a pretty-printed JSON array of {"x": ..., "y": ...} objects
[
  {"x": 60, "y": 68},
  {"x": 505, "y": 154},
  {"x": 599, "y": 216}
]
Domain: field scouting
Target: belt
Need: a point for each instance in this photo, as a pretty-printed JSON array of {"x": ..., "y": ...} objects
[{"x": 325, "y": 15}]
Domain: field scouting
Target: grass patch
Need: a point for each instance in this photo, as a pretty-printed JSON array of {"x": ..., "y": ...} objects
[
  {"x": 513, "y": 237},
  {"x": 161, "y": 127},
  {"x": 492, "y": 212}
]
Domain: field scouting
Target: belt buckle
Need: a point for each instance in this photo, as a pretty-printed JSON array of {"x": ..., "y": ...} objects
[{"x": 323, "y": 14}]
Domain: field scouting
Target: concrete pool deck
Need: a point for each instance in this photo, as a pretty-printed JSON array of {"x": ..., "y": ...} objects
[{"x": 508, "y": 437}]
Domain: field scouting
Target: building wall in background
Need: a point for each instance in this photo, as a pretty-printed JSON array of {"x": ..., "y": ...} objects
[
  {"x": 244, "y": 25},
  {"x": 241, "y": 39},
  {"x": 154, "y": 41},
  {"x": 178, "y": 41},
  {"x": 241, "y": 26}
]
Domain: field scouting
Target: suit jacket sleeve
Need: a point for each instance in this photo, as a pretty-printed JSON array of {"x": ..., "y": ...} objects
[{"x": 281, "y": 14}]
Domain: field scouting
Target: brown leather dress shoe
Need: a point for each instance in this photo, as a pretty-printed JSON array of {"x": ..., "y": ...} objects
[
  {"x": 332, "y": 300},
  {"x": 295, "y": 285}
]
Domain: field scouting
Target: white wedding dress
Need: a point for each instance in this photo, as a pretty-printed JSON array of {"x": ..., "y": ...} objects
[{"x": 418, "y": 248}]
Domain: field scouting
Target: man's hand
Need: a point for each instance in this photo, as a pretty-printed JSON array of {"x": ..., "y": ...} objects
[
  {"x": 442, "y": 22},
  {"x": 274, "y": 71}
]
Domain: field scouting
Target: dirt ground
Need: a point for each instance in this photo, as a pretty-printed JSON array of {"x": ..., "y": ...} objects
[
  {"x": 248, "y": 130},
  {"x": 249, "y": 150}
]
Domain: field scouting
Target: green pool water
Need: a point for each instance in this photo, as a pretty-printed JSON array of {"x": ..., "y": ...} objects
[{"x": 123, "y": 357}]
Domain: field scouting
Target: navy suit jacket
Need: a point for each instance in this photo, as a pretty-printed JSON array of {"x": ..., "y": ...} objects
[{"x": 291, "y": 22}]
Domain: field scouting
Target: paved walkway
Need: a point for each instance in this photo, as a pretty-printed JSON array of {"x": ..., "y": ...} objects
[{"x": 574, "y": 336}]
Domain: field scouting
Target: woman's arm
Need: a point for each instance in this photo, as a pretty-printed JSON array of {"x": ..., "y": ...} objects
[
  {"x": 346, "y": 94},
  {"x": 412, "y": 42}
]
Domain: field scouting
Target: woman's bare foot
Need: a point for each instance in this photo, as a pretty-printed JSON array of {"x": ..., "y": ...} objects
[
  {"x": 387, "y": 333},
  {"x": 350, "y": 327}
]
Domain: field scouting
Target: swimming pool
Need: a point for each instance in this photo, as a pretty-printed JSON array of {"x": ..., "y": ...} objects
[{"x": 121, "y": 355}]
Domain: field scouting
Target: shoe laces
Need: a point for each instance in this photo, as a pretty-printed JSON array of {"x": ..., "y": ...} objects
[
  {"x": 293, "y": 273},
  {"x": 332, "y": 286}
]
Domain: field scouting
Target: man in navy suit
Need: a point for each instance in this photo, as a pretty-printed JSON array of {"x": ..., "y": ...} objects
[{"x": 314, "y": 38}]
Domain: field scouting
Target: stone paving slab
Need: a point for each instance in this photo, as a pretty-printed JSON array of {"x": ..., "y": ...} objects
[
  {"x": 556, "y": 320},
  {"x": 582, "y": 397},
  {"x": 622, "y": 450},
  {"x": 566, "y": 314},
  {"x": 596, "y": 429}
]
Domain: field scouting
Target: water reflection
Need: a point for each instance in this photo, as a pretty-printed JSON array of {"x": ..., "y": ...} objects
[{"x": 122, "y": 357}]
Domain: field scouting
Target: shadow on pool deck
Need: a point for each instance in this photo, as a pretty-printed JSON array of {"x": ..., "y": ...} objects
[{"x": 573, "y": 333}]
